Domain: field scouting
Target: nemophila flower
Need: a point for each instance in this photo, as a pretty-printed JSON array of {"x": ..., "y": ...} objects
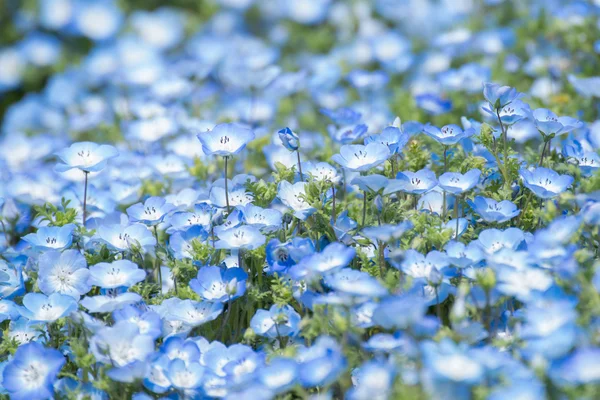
[
  {"x": 578, "y": 368},
  {"x": 279, "y": 375},
  {"x": 523, "y": 283},
  {"x": 458, "y": 226},
  {"x": 412, "y": 182},
  {"x": 86, "y": 156},
  {"x": 356, "y": 157},
  {"x": 491, "y": 210},
  {"x": 448, "y": 135},
  {"x": 321, "y": 172},
  {"x": 201, "y": 216},
  {"x": 399, "y": 311},
  {"x": 242, "y": 237},
  {"x": 548, "y": 123},
  {"x": 237, "y": 197},
  {"x": 342, "y": 115},
  {"x": 185, "y": 376},
  {"x": 181, "y": 243},
  {"x": 109, "y": 300},
  {"x": 65, "y": 273},
  {"x": 545, "y": 183},
  {"x": 420, "y": 266},
  {"x": 51, "y": 237},
  {"x": 151, "y": 212},
  {"x": 195, "y": 313},
  {"x": 293, "y": 196},
  {"x": 499, "y": 96},
  {"x": 457, "y": 183},
  {"x": 219, "y": 284},
  {"x": 124, "y": 237},
  {"x": 289, "y": 139},
  {"x": 118, "y": 274},
  {"x": 512, "y": 113},
  {"x": 461, "y": 255},
  {"x": 372, "y": 377},
  {"x": 370, "y": 183},
  {"x": 347, "y": 134},
  {"x": 355, "y": 283},
  {"x": 588, "y": 161},
  {"x": 333, "y": 257},
  {"x": 123, "y": 347},
  {"x": 148, "y": 322},
  {"x": 393, "y": 137},
  {"x": 494, "y": 240},
  {"x": 277, "y": 322},
  {"x": 387, "y": 232},
  {"x": 433, "y": 104},
  {"x": 321, "y": 363},
  {"x": 225, "y": 139},
  {"x": 344, "y": 227},
  {"x": 32, "y": 372},
  {"x": 281, "y": 256},
  {"x": 267, "y": 219},
  {"x": 559, "y": 231},
  {"x": 41, "y": 308}
]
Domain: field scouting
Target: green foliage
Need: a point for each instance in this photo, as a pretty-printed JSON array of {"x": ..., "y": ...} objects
[{"x": 56, "y": 216}]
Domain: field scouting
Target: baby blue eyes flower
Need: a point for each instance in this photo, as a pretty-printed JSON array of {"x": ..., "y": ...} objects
[
  {"x": 342, "y": 116},
  {"x": 65, "y": 273},
  {"x": 195, "y": 313},
  {"x": 242, "y": 237},
  {"x": 360, "y": 158},
  {"x": 122, "y": 238},
  {"x": 219, "y": 284},
  {"x": 293, "y": 196},
  {"x": 412, "y": 182},
  {"x": 392, "y": 137},
  {"x": 457, "y": 183},
  {"x": 32, "y": 372},
  {"x": 42, "y": 308},
  {"x": 289, "y": 139},
  {"x": 448, "y": 135},
  {"x": 225, "y": 139},
  {"x": 51, "y": 238},
  {"x": 491, "y": 210},
  {"x": 118, "y": 274},
  {"x": 355, "y": 283},
  {"x": 545, "y": 183},
  {"x": 151, "y": 212},
  {"x": 86, "y": 156},
  {"x": 548, "y": 123},
  {"x": 277, "y": 322},
  {"x": 499, "y": 96}
]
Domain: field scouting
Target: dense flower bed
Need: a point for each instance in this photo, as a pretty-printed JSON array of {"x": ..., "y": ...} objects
[{"x": 317, "y": 199}]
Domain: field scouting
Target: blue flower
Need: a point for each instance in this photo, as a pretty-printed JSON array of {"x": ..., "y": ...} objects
[
  {"x": 64, "y": 273},
  {"x": 370, "y": 183},
  {"x": 276, "y": 322},
  {"x": 86, "y": 156},
  {"x": 457, "y": 183},
  {"x": 433, "y": 104},
  {"x": 123, "y": 237},
  {"x": 281, "y": 256},
  {"x": 151, "y": 212},
  {"x": 347, "y": 134},
  {"x": 491, "y": 210},
  {"x": 355, "y": 283},
  {"x": 279, "y": 375},
  {"x": 588, "y": 161},
  {"x": 51, "y": 237},
  {"x": 448, "y": 135},
  {"x": 360, "y": 158},
  {"x": 420, "y": 266},
  {"x": 266, "y": 219},
  {"x": 578, "y": 368},
  {"x": 387, "y": 232},
  {"x": 461, "y": 255},
  {"x": 499, "y": 96},
  {"x": 342, "y": 116},
  {"x": 148, "y": 322},
  {"x": 181, "y": 242},
  {"x": 322, "y": 363},
  {"x": 241, "y": 237},
  {"x": 391, "y": 136},
  {"x": 225, "y": 139},
  {"x": 548, "y": 123},
  {"x": 289, "y": 139},
  {"x": 109, "y": 300},
  {"x": 293, "y": 197},
  {"x": 494, "y": 240},
  {"x": 219, "y": 284},
  {"x": 412, "y": 182},
  {"x": 185, "y": 376},
  {"x": 32, "y": 372},
  {"x": 544, "y": 182},
  {"x": 195, "y": 313},
  {"x": 344, "y": 227},
  {"x": 118, "y": 274},
  {"x": 42, "y": 308}
]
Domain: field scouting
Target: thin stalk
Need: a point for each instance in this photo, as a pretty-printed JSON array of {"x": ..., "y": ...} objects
[
  {"x": 364, "y": 211},
  {"x": 86, "y": 173},
  {"x": 333, "y": 202},
  {"x": 438, "y": 309},
  {"x": 546, "y": 144},
  {"x": 444, "y": 192},
  {"x": 299, "y": 165},
  {"x": 504, "y": 137},
  {"x": 226, "y": 190},
  {"x": 456, "y": 205},
  {"x": 156, "y": 259},
  {"x": 381, "y": 248}
]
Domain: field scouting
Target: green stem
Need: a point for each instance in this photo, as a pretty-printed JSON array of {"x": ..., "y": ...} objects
[
  {"x": 157, "y": 260},
  {"x": 299, "y": 165},
  {"x": 364, "y": 211},
  {"x": 86, "y": 173},
  {"x": 333, "y": 202},
  {"x": 456, "y": 205},
  {"x": 226, "y": 190}
]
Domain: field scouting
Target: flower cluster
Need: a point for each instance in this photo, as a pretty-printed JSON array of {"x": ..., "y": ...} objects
[{"x": 221, "y": 202}]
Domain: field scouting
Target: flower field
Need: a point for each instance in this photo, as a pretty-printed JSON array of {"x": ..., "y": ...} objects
[{"x": 285, "y": 199}]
